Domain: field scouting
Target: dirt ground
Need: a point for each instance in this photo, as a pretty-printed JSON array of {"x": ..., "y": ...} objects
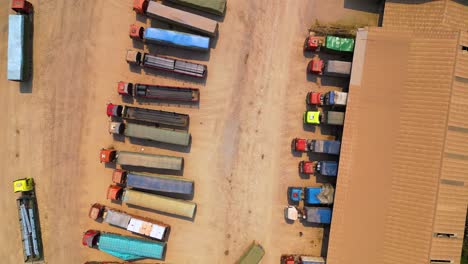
[{"x": 251, "y": 107}]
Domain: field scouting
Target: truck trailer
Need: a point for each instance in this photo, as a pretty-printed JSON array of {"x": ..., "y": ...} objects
[
  {"x": 314, "y": 214},
  {"x": 318, "y": 146},
  {"x": 301, "y": 259},
  {"x": 160, "y": 92},
  {"x": 252, "y": 255},
  {"x": 155, "y": 183},
  {"x": 125, "y": 158},
  {"x": 166, "y": 64},
  {"x": 327, "y": 118},
  {"x": 312, "y": 195},
  {"x": 153, "y": 133},
  {"x": 124, "y": 247},
  {"x": 142, "y": 226},
  {"x": 325, "y": 168},
  {"x": 175, "y": 16},
  {"x": 330, "y": 68},
  {"x": 20, "y": 41},
  {"x": 170, "y": 38},
  {"x": 216, "y": 7},
  {"x": 332, "y": 98},
  {"x": 152, "y": 201},
  {"x": 159, "y": 117}
]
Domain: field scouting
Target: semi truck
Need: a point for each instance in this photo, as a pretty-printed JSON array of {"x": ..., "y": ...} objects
[
  {"x": 29, "y": 220},
  {"x": 330, "y": 68},
  {"x": 155, "y": 183},
  {"x": 20, "y": 26},
  {"x": 125, "y": 158},
  {"x": 175, "y": 16},
  {"x": 332, "y": 98},
  {"x": 153, "y": 133},
  {"x": 327, "y": 118},
  {"x": 160, "y": 92},
  {"x": 142, "y": 226},
  {"x": 170, "y": 38},
  {"x": 313, "y": 214},
  {"x": 216, "y": 7},
  {"x": 318, "y": 146},
  {"x": 301, "y": 259},
  {"x": 166, "y": 64},
  {"x": 312, "y": 195},
  {"x": 252, "y": 255},
  {"x": 159, "y": 117},
  {"x": 124, "y": 247},
  {"x": 152, "y": 201},
  {"x": 325, "y": 168}
]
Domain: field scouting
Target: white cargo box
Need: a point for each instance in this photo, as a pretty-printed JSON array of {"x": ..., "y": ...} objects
[{"x": 146, "y": 228}]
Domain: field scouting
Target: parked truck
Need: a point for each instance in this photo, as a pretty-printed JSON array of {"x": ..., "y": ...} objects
[
  {"x": 216, "y": 7},
  {"x": 142, "y": 226},
  {"x": 125, "y": 158},
  {"x": 159, "y": 117},
  {"x": 166, "y": 64},
  {"x": 315, "y": 42},
  {"x": 175, "y": 16},
  {"x": 253, "y": 255},
  {"x": 20, "y": 27},
  {"x": 124, "y": 247},
  {"x": 160, "y": 92},
  {"x": 29, "y": 220},
  {"x": 155, "y": 183},
  {"x": 330, "y": 68},
  {"x": 313, "y": 214},
  {"x": 153, "y": 133},
  {"x": 318, "y": 146},
  {"x": 325, "y": 168},
  {"x": 327, "y": 118},
  {"x": 312, "y": 195},
  {"x": 152, "y": 201},
  {"x": 332, "y": 98},
  {"x": 170, "y": 38},
  {"x": 301, "y": 259}
]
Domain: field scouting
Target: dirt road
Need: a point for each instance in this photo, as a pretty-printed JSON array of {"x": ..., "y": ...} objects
[{"x": 240, "y": 158}]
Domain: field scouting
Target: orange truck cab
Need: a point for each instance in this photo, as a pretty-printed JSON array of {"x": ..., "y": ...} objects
[
  {"x": 140, "y": 6},
  {"x": 115, "y": 192},
  {"x": 108, "y": 155},
  {"x": 119, "y": 176},
  {"x": 136, "y": 32}
]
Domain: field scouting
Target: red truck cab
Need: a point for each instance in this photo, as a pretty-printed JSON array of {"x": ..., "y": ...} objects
[
  {"x": 90, "y": 238},
  {"x": 119, "y": 176},
  {"x": 108, "y": 155},
  {"x": 140, "y": 6},
  {"x": 288, "y": 260},
  {"x": 314, "y": 98},
  {"x": 21, "y": 6},
  {"x": 114, "y": 110},
  {"x": 299, "y": 144},
  {"x": 136, "y": 32},
  {"x": 313, "y": 43},
  {"x": 124, "y": 88},
  {"x": 316, "y": 66},
  {"x": 307, "y": 167}
]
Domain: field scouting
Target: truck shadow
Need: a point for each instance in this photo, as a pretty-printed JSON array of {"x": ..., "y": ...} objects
[
  {"x": 153, "y": 170},
  {"x": 174, "y": 76},
  {"x": 330, "y": 130},
  {"x": 147, "y": 101},
  {"x": 179, "y": 196},
  {"x": 27, "y": 86},
  {"x": 164, "y": 213},
  {"x": 198, "y": 12},
  {"x": 161, "y": 145}
]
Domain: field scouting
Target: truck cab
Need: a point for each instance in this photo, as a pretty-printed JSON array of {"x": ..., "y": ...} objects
[
  {"x": 114, "y": 110},
  {"x": 312, "y": 117},
  {"x": 23, "y": 185},
  {"x": 308, "y": 194},
  {"x": 124, "y": 88},
  {"x": 91, "y": 238},
  {"x": 114, "y": 192},
  {"x": 300, "y": 144},
  {"x": 314, "y": 98},
  {"x": 316, "y": 66},
  {"x": 108, "y": 155},
  {"x": 307, "y": 167}
]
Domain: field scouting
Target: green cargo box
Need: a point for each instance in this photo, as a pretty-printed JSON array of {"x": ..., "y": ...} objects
[
  {"x": 339, "y": 44},
  {"x": 253, "y": 255},
  {"x": 216, "y": 7}
]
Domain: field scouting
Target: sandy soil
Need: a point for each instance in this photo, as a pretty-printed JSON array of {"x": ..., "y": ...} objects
[{"x": 240, "y": 158}]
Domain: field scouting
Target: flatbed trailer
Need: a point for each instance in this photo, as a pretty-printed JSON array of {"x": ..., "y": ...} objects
[
  {"x": 175, "y": 16},
  {"x": 125, "y": 158},
  {"x": 147, "y": 60},
  {"x": 160, "y": 92},
  {"x": 170, "y": 136}
]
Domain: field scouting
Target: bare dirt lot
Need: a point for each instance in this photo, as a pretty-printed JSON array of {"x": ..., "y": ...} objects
[{"x": 251, "y": 107}]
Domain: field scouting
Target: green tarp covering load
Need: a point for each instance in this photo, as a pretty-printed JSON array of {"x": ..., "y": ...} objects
[
  {"x": 339, "y": 44},
  {"x": 253, "y": 255},
  {"x": 129, "y": 248},
  {"x": 211, "y": 6}
]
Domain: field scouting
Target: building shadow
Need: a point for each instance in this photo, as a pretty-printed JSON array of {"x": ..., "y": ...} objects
[{"x": 370, "y": 6}]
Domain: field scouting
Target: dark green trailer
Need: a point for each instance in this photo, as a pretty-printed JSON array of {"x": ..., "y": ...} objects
[
  {"x": 339, "y": 44},
  {"x": 216, "y": 7}
]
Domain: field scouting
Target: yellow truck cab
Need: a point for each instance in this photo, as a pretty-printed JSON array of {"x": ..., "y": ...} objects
[
  {"x": 312, "y": 117},
  {"x": 23, "y": 185}
]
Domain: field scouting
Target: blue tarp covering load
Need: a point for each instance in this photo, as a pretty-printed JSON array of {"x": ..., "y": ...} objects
[
  {"x": 311, "y": 195},
  {"x": 160, "y": 183},
  {"x": 129, "y": 248},
  {"x": 327, "y": 146},
  {"x": 328, "y": 168},
  {"x": 16, "y": 39},
  {"x": 178, "y": 39},
  {"x": 320, "y": 215}
]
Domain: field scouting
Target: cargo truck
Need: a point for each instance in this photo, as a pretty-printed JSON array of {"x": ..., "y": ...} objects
[
  {"x": 325, "y": 168},
  {"x": 312, "y": 195},
  {"x": 170, "y": 38},
  {"x": 125, "y": 158},
  {"x": 332, "y": 98},
  {"x": 166, "y": 64},
  {"x": 155, "y": 183},
  {"x": 175, "y": 16},
  {"x": 216, "y": 7},
  {"x": 327, "y": 118},
  {"x": 315, "y": 42},
  {"x": 124, "y": 247},
  {"x": 152, "y": 201},
  {"x": 301, "y": 259},
  {"x": 29, "y": 220},
  {"x": 159, "y": 117},
  {"x": 181, "y": 138},
  {"x": 314, "y": 214},
  {"x": 330, "y": 68},
  {"x": 160, "y": 92},
  {"x": 113, "y": 262},
  {"x": 253, "y": 255},
  {"x": 20, "y": 27},
  {"x": 318, "y": 146},
  {"x": 135, "y": 224}
]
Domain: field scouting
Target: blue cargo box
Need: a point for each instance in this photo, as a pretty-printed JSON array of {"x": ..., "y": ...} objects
[
  {"x": 328, "y": 168},
  {"x": 157, "y": 183},
  {"x": 16, "y": 43},
  {"x": 311, "y": 195},
  {"x": 177, "y": 39},
  {"x": 327, "y": 146},
  {"x": 319, "y": 215}
]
